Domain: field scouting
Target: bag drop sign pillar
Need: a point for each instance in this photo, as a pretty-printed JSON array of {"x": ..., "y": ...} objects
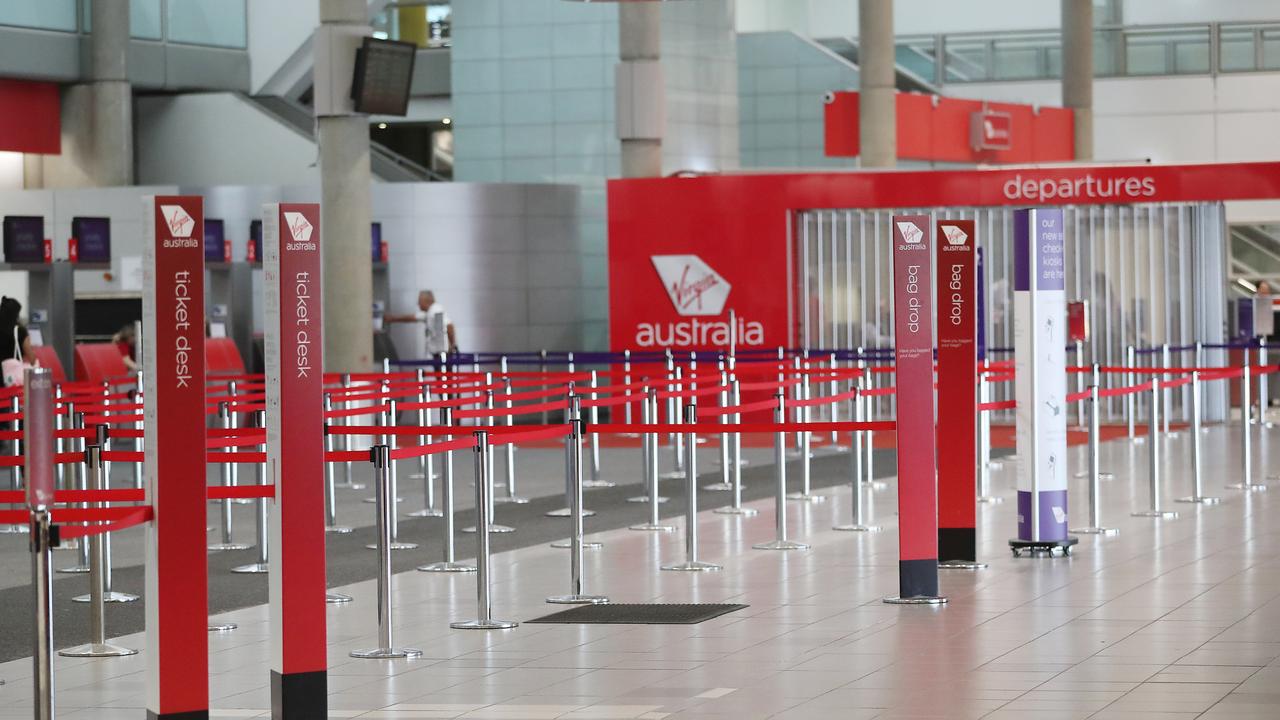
[
  {"x": 957, "y": 411},
  {"x": 1040, "y": 359},
  {"x": 177, "y": 607},
  {"x": 917, "y": 470},
  {"x": 293, "y": 346}
]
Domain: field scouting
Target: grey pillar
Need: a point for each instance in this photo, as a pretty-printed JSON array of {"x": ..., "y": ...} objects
[
  {"x": 877, "y": 114},
  {"x": 1077, "y": 71},
  {"x": 641, "y": 106},
  {"x": 345, "y": 215},
  {"x": 111, "y": 122}
]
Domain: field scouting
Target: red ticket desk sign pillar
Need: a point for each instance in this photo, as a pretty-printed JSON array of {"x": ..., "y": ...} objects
[
  {"x": 917, "y": 471},
  {"x": 1040, "y": 360},
  {"x": 177, "y": 606},
  {"x": 957, "y": 399},
  {"x": 293, "y": 344}
]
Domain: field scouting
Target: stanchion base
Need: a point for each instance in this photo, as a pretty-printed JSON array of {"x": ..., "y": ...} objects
[
  {"x": 1252, "y": 487},
  {"x": 222, "y": 627},
  {"x": 337, "y": 598},
  {"x": 350, "y": 486},
  {"x": 1165, "y": 514},
  {"x": 1106, "y": 476},
  {"x": 74, "y": 569},
  {"x": 1096, "y": 531},
  {"x": 426, "y": 512},
  {"x": 1046, "y": 547},
  {"x": 252, "y": 569},
  {"x": 337, "y": 529},
  {"x": 718, "y": 487},
  {"x": 578, "y": 600},
  {"x": 493, "y": 528},
  {"x": 672, "y": 475},
  {"x": 1200, "y": 500},
  {"x": 397, "y": 545},
  {"x": 241, "y": 501},
  {"x": 374, "y": 501},
  {"x": 857, "y": 528},
  {"x": 108, "y": 597},
  {"x": 1081, "y": 474},
  {"x": 875, "y": 484},
  {"x": 916, "y": 600},
  {"x": 695, "y": 566},
  {"x": 1138, "y": 440},
  {"x": 13, "y": 529},
  {"x": 648, "y": 527},
  {"x": 72, "y": 544},
  {"x": 513, "y": 499},
  {"x": 806, "y": 497},
  {"x": 961, "y": 565},
  {"x": 565, "y": 512},
  {"x": 484, "y": 625},
  {"x": 744, "y": 512},
  {"x": 386, "y": 653},
  {"x": 93, "y": 650},
  {"x": 219, "y": 547},
  {"x": 588, "y": 484},
  {"x": 645, "y": 499},
  {"x": 447, "y": 567},
  {"x": 586, "y": 545},
  {"x": 998, "y": 464},
  {"x": 780, "y": 545},
  {"x": 418, "y": 476},
  {"x": 990, "y": 499}
]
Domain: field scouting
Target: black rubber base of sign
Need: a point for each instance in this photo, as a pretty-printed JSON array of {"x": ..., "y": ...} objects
[{"x": 640, "y": 614}]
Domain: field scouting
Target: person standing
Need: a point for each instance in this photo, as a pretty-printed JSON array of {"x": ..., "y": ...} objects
[{"x": 440, "y": 334}]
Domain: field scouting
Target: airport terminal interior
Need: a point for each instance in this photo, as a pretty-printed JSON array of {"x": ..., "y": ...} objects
[{"x": 640, "y": 359}]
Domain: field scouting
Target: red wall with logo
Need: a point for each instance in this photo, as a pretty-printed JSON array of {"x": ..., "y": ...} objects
[
  {"x": 938, "y": 129},
  {"x": 738, "y": 224}
]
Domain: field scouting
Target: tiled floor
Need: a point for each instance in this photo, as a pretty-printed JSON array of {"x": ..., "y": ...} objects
[{"x": 1170, "y": 619}]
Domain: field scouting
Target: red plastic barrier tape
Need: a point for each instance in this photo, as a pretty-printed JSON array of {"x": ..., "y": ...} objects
[
  {"x": 129, "y": 456},
  {"x": 1122, "y": 391},
  {"x": 112, "y": 419},
  {"x": 125, "y": 433},
  {"x": 766, "y": 385},
  {"x": 221, "y": 432},
  {"x": 236, "y": 442},
  {"x": 412, "y": 430},
  {"x": 222, "y": 492},
  {"x": 1008, "y": 377},
  {"x": 453, "y": 402},
  {"x": 712, "y": 429},
  {"x": 356, "y": 412},
  {"x": 879, "y": 392},
  {"x": 135, "y": 516},
  {"x": 1078, "y": 396},
  {"x": 95, "y": 515},
  {"x": 610, "y": 401},
  {"x": 517, "y": 437},
  {"x": 825, "y": 399},
  {"x": 692, "y": 392},
  {"x": 517, "y": 410},
  {"x": 1170, "y": 384},
  {"x": 999, "y": 405},
  {"x": 89, "y": 496},
  {"x": 408, "y": 453},
  {"x": 347, "y": 456},
  {"x": 743, "y": 408},
  {"x": 236, "y": 457}
]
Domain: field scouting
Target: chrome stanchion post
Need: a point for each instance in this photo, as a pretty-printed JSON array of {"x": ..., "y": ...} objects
[
  {"x": 97, "y": 646},
  {"x": 691, "y": 563},
  {"x": 1264, "y": 397},
  {"x": 725, "y": 484},
  {"x": 97, "y": 480},
  {"x": 349, "y": 482},
  {"x": 426, "y": 464},
  {"x": 855, "y": 459},
  {"x": 1153, "y": 454},
  {"x": 984, "y": 444},
  {"x": 626, "y": 380},
  {"x": 1166, "y": 395},
  {"x": 674, "y": 413},
  {"x": 227, "y": 421},
  {"x": 835, "y": 406},
  {"x": 494, "y": 527},
  {"x": 1080, "y": 409},
  {"x": 1197, "y": 465},
  {"x": 1130, "y": 400},
  {"x": 484, "y": 604},
  {"x": 389, "y": 422},
  {"x": 595, "y": 481},
  {"x": 649, "y": 440},
  {"x": 1246, "y": 429},
  {"x": 780, "y": 542},
  {"x": 509, "y": 450},
  {"x": 573, "y": 469},
  {"x": 869, "y": 414},
  {"x": 542, "y": 368},
  {"x": 1095, "y": 500},
  {"x": 806, "y": 446},
  {"x": 330, "y": 483},
  {"x": 80, "y": 477},
  {"x": 42, "y": 582},
  {"x": 800, "y": 392},
  {"x": 386, "y": 649},
  {"x": 260, "y": 564},
  {"x": 735, "y": 508},
  {"x": 448, "y": 565}
]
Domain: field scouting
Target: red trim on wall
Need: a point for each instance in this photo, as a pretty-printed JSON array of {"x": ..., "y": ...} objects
[{"x": 30, "y": 117}]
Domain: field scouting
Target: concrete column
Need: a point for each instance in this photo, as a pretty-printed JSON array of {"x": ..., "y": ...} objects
[
  {"x": 345, "y": 215},
  {"x": 877, "y": 109},
  {"x": 639, "y": 49},
  {"x": 111, "y": 126},
  {"x": 1077, "y": 71}
]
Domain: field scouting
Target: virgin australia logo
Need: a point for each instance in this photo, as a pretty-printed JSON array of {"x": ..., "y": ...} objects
[
  {"x": 299, "y": 228},
  {"x": 694, "y": 288},
  {"x": 180, "y": 223},
  {"x": 954, "y": 235},
  {"x": 911, "y": 233}
]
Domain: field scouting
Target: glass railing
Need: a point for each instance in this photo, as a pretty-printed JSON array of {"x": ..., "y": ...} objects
[
  {"x": 1198, "y": 49},
  {"x": 215, "y": 23},
  {"x": 426, "y": 23}
]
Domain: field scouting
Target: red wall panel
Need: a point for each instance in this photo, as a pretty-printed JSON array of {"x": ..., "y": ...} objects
[{"x": 30, "y": 117}]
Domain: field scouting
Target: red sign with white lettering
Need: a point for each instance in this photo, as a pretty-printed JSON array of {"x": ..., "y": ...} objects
[
  {"x": 174, "y": 444},
  {"x": 991, "y": 130},
  {"x": 293, "y": 344},
  {"x": 957, "y": 363},
  {"x": 917, "y": 473}
]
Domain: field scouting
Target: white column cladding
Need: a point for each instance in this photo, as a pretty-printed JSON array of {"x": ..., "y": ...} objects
[{"x": 1039, "y": 336}]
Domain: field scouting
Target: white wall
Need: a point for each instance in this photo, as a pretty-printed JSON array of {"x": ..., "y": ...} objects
[
  {"x": 11, "y": 173},
  {"x": 277, "y": 28},
  {"x": 218, "y": 139}
]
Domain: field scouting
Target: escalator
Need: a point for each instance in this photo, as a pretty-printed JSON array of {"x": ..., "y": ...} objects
[{"x": 913, "y": 67}]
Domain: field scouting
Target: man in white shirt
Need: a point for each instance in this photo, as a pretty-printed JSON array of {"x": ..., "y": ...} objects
[{"x": 439, "y": 328}]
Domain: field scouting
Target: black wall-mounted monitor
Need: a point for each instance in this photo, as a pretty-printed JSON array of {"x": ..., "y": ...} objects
[
  {"x": 255, "y": 239},
  {"x": 376, "y": 233},
  {"x": 384, "y": 72},
  {"x": 214, "y": 235},
  {"x": 93, "y": 239},
  {"x": 24, "y": 239}
]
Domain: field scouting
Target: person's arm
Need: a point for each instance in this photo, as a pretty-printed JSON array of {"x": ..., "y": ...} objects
[
  {"x": 28, "y": 356},
  {"x": 453, "y": 339},
  {"x": 399, "y": 318}
]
